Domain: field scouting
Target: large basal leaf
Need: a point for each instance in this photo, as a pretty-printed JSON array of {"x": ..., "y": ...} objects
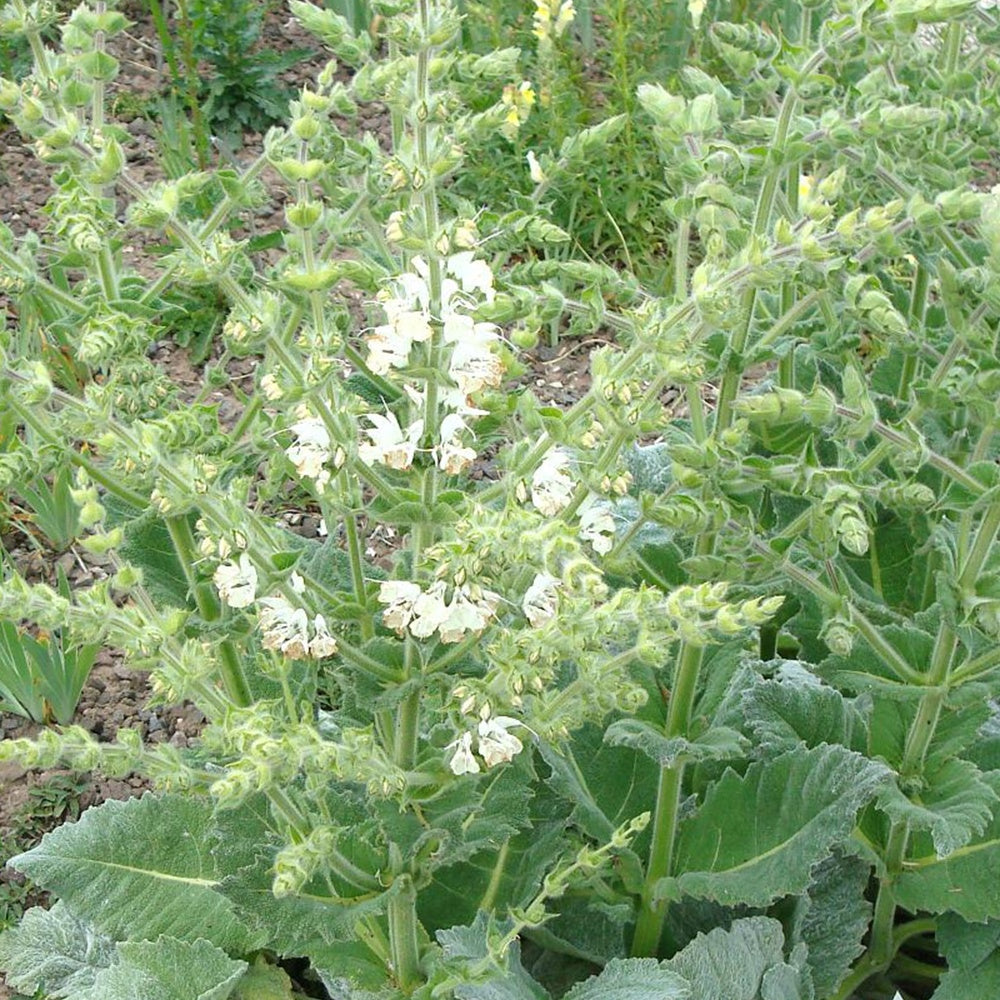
[
  {"x": 973, "y": 955},
  {"x": 632, "y": 979},
  {"x": 831, "y": 918},
  {"x": 747, "y": 962},
  {"x": 965, "y": 882},
  {"x": 138, "y": 869},
  {"x": 167, "y": 969},
  {"x": 348, "y": 969},
  {"x": 758, "y": 835},
  {"x": 53, "y": 952},
  {"x": 796, "y": 707},
  {"x": 954, "y": 804}
]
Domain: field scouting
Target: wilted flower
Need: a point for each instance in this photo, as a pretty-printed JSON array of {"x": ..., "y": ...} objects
[
  {"x": 452, "y": 456},
  {"x": 540, "y": 599},
  {"x": 463, "y": 761},
  {"x": 400, "y": 596},
  {"x": 551, "y": 484},
  {"x": 389, "y": 444},
  {"x": 496, "y": 745},
  {"x": 322, "y": 644},
  {"x": 272, "y": 390},
  {"x": 236, "y": 582},
  {"x": 597, "y": 526},
  {"x": 535, "y": 168}
]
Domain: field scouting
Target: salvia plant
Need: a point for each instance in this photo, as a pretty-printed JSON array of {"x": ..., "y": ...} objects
[{"x": 682, "y": 691}]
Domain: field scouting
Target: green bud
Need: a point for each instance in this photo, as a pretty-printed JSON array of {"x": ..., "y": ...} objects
[
  {"x": 91, "y": 513},
  {"x": 101, "y": 544},
  {"x": 305, "y": 128},
  {"x": 294, "y": 170},
  {"x": 303, "y": 214},
  {"x": 10, "y": 95}
]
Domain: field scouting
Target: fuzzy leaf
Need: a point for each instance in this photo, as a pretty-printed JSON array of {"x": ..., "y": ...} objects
[
  {"x": 973, "y": 954},
  {"x": 632, "y": 979},
  {"x": 746, "y": 962},
  {"x": 504, "y": 981},
  {"x": 796, "y": 707},
  {"x": 585, "y": 929},
  {"x": 831, "y": 919},
  {"x": 954, "y": 804},
  {"x": 608, "y": 785},
  {"x": 717, "y": 743},
  {"x": 167, "y": 969},
  {"x": 499, "y": 878},
  {"x": 964, "y": 882},
  {"x": 148, "y": 545},
  {"x": 138, "y": 869},
  {"x": 757, "y": 836},
  {"x": 52, "y": 952}
]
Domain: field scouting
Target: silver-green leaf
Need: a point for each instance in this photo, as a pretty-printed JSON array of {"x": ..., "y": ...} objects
[
  {"x": 53, "y": 952},
  {"x": 758, "y": 835},
  {"x": 139, "y": 869}
]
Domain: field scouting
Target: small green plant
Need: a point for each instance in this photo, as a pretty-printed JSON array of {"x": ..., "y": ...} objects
[
  {"x": 51, "y": 508},
  {"x": 242, "y": 91},
  {"x": 41, "y": 676},
  {"x": 53, "y": 800}
]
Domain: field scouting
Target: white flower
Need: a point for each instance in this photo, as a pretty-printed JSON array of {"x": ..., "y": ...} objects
[
  {"x": 272, "y": 390},
  {"x": 390, "y": 445},
  {"x": 466, "y": 613},
  {"x": 285, "y": 628},
  {"x": 496, "y": 745},
  {"x": 322, "y": 644},
  {"x": 474, "y": 367},
  {"x": 473, "y": 275},
  {"x": 455, "y": 458},
  {"x": 429, "y": 611},
  {"x": 399, "y": 595},
  {"x": 463, "y": 762},
  {"x": 597, "y": 526},
  {"x": 551, "y": 484},
  {"x": 311, "y": 450},
  {"x": 236, "y": 582},
  {"x": 535, "y": 168},
  {"x": 452, "y": 457},
  {"x": 540, "y": 599}
]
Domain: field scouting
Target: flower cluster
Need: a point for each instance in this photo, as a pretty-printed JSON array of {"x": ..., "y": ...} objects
[
  {"x": 472, "y": 364},
  {"x": 425, "y": 612},
  {"x": 312, "y": 450},
  {"x": 551, "y": 491},
  {"x": 552, "y": 18},
  {"x": 518, "y": 100},
  {"x": 495, "y": 744},
  {"x": 288, "y": 630}
]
